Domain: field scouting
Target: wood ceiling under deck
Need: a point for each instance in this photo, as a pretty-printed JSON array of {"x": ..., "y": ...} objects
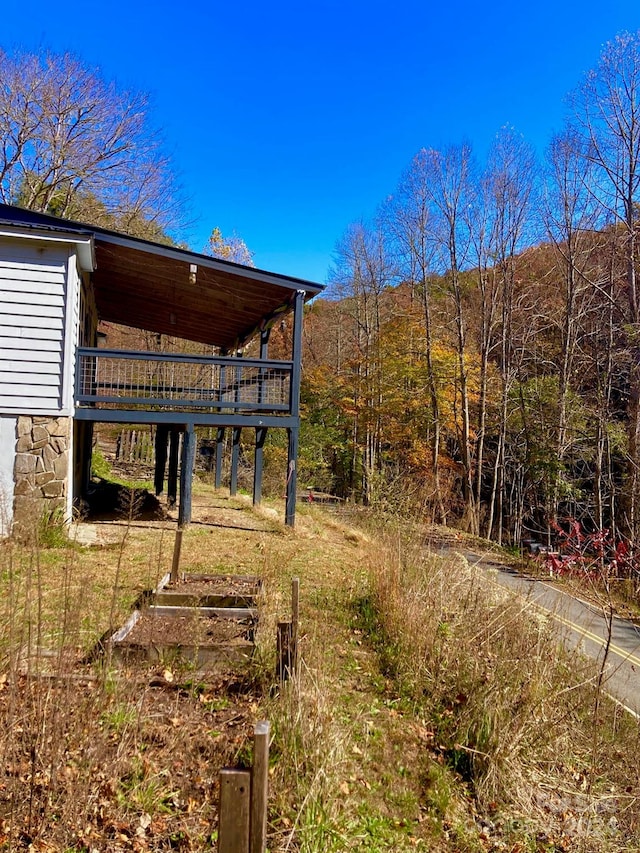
[{"x": 218, "y": 306}]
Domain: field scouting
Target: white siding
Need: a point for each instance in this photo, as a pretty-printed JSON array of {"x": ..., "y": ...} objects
[
  {"x": 72, "y": 340},
  {"x": 72, "y": 331},
  {"x": 34, "y": 326},
  {"x": 7, "y": 458}
]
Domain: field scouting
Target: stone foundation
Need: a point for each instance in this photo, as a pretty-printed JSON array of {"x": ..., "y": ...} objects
[{"x": 41, "y": 469}]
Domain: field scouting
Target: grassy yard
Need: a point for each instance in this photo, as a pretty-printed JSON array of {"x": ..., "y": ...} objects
[{"x": 429, "y": 713}]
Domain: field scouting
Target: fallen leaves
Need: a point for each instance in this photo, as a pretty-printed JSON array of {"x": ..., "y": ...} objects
[{"x": 136, "y": 766}]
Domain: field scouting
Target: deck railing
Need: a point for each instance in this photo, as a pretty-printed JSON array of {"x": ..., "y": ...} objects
[{"x": 124, "y": 379}]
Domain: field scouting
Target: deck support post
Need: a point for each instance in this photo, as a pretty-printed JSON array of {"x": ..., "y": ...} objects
[
  {"x": 261, "y": 434},
  {"x": 83, "y": 441},
  {"x": 186, "y": 474},
  {"x": 219, "y": 456},
  {"x": 220, "y": 433},
  {"x": 264, "y": 355},
  {"x": 174, "y": 454},
  {"x": 290, "y": 493},
  {"x": 235, "y": 458},
  {"x": 162, "y": 436},
  {"x": 235, "y": 434},
  {"x": 188, "y": 456},
  {"x": 294, "y": 408}
]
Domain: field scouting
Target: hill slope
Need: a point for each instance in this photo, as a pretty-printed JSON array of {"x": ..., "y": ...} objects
[{"x": 427, "y": 715}]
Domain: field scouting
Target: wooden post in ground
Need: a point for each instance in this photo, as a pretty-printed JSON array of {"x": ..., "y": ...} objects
[
  {"x": 177, "y": 549},
  {"x": 233, "y": 821},
  {"x": 295, "y": 617},
  {"x": 283, "y": 667},
  {"x": 259, "y": 788}
]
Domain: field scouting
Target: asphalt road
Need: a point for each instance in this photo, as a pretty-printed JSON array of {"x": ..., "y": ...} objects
[{"x": 582, "y": 625}]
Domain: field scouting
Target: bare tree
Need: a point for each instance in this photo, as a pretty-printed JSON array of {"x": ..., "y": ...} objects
[
  {"x": 477, "y": 214},
  {"x": 75, "y": 145},
  {"x": 607, "y": 118},
  {"x": 571, "y": 217},
  {"x": 362, "y": 272},
  {"x": 414, "y": 229},
  {"x": 509, "y": 181},
  {"x": 451, "y": 175}
]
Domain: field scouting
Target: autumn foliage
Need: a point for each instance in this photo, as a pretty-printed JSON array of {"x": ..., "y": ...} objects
[{"x": 478, "y": 358}]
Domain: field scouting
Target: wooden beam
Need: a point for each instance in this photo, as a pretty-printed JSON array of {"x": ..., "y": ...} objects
[
  {"x": 296, "y": 354},
  {"x": 294, "y": 408},
  {"x": 208, "y": 419}
]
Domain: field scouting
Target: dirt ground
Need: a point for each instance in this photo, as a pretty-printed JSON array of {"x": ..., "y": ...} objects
[{"x": 100, "y": 757}]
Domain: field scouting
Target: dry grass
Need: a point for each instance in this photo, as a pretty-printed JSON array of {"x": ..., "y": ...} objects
[
  {"x": 516, "y": 715},
  {"x": 100, "y": 758},
  {"x": 430, "y": 712}
]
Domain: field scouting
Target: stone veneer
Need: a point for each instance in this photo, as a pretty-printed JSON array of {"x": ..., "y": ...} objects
[{"x": 41, "y": 469}]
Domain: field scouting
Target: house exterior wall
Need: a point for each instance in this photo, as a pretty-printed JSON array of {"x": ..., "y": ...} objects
[
  {"x": 8, "y": 426},
  {"x": 82, "y": 435},
  {"x": 39, "y": 323},
  {"x": 33, "y": 292},
  {"x": 41, "y": 471}
]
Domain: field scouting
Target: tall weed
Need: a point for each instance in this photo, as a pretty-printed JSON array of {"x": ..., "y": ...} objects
[{"x": 512, "y": 711}]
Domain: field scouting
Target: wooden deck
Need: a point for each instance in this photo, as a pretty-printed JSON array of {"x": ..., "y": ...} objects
[{"x": 175, "y": 382}]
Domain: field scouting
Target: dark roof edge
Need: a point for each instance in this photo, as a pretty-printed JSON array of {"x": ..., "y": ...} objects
[{"x": 12, "y": 215}]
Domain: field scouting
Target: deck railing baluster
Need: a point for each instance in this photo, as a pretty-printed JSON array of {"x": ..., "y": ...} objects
[{"x": 178, "y": 382}]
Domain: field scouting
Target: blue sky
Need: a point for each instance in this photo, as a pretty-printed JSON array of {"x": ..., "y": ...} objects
[{"x": 289, "y": 121}]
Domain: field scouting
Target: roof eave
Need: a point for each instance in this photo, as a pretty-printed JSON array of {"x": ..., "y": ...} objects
[
  {"x": 83, "y": 241},
  {"x": 228, "y": 267}
]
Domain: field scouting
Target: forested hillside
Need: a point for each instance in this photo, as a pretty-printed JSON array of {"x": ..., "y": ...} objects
[{"x": 478, "y": 356}]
